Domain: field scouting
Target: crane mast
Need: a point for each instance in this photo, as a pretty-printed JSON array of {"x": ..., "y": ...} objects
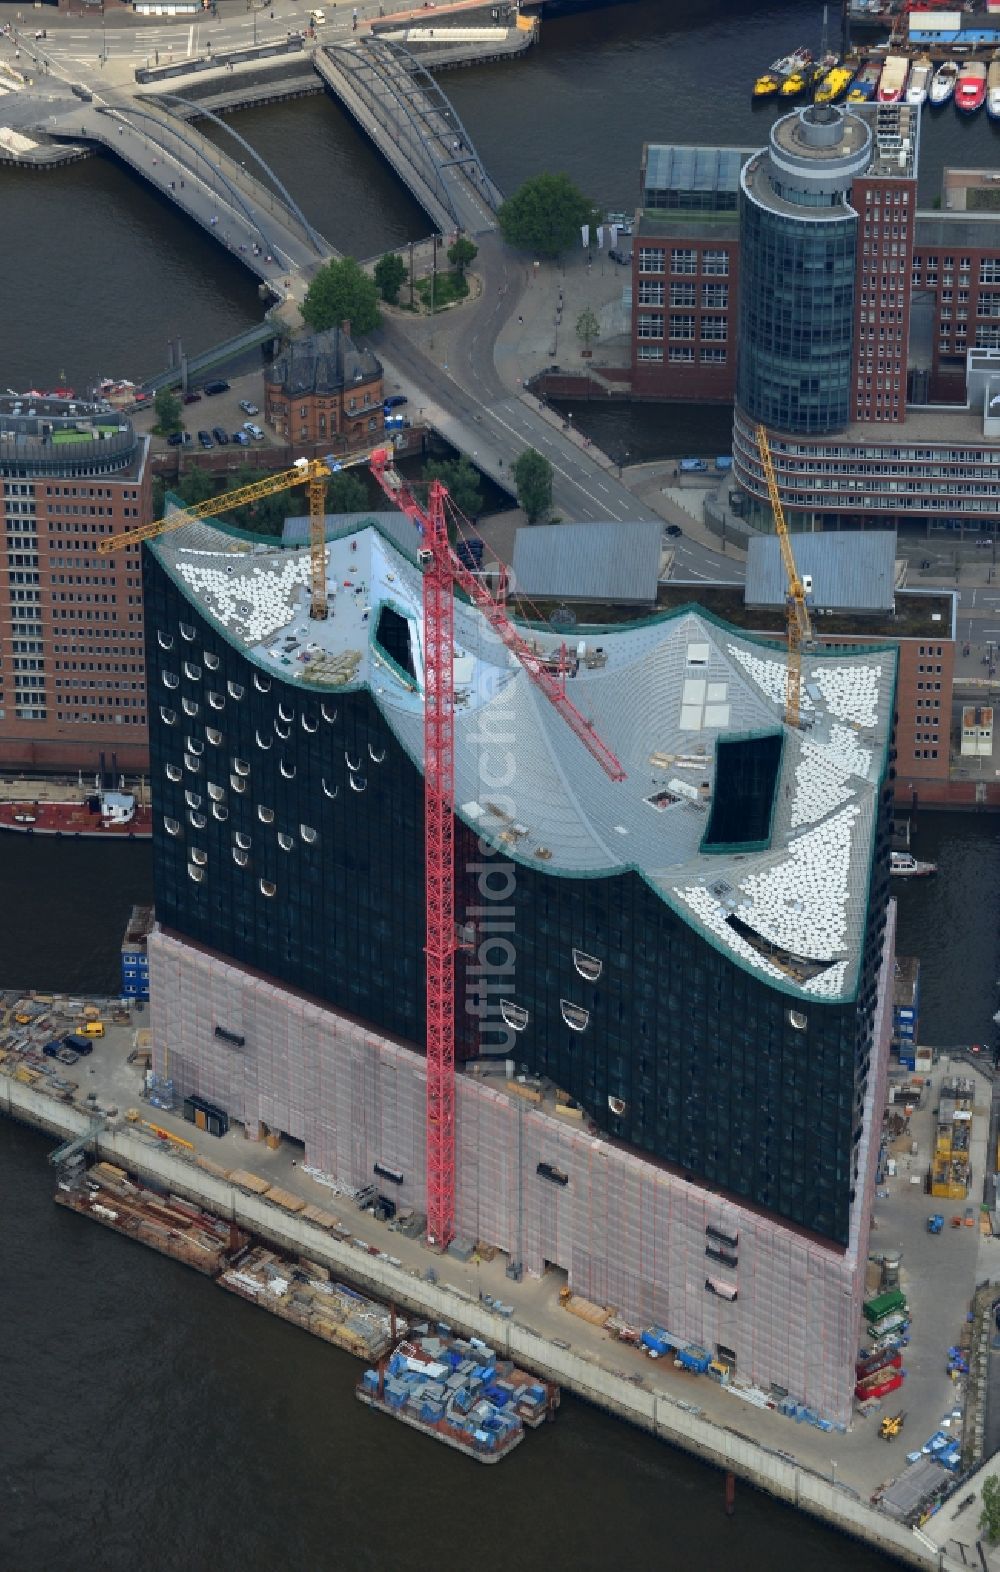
[
  {"x": 800, "y": 633},
  {"x": 442, "y": 570}
]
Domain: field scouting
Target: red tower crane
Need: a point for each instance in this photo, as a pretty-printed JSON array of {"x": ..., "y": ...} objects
[{"x": 442, "y": 571}]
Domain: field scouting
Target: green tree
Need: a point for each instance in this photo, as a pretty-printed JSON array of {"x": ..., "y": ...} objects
[
  {"x": 533, "y": 478},
  {"x": 462, "y": 479},
  {"x": 195, "y": 485},
  {"x": 462, "y": 255},
  {"x": 989, "y": 1520},
  {"x": 342, "y": 292},
  {"x": 544, "y": 216},
  {"x": 587, "y": 327},
  {"x": 346, "y": 493},
  {"x": 168, "y": 412},
  {"x": 390, "y": 275}
]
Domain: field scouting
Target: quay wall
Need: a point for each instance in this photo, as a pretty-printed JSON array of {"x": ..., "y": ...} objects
[{"x": 725, "y": 1447}]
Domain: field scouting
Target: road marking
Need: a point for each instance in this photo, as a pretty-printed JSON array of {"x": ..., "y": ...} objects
[{"x": 190, "y": 47}]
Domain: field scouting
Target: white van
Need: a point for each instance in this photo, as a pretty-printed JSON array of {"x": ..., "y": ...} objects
[{"x": 317, "y": 18}]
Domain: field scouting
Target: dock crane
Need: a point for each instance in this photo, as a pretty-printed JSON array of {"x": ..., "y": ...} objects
[
  {"x": 800, "y": 631},
  {"x": 442, "y": 572}
]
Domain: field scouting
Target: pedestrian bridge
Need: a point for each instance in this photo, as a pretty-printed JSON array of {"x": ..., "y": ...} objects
[{"x": 398, "y": 104}]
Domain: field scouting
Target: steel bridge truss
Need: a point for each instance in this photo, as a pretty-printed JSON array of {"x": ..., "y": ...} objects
[{"x": 403, "y": 97}]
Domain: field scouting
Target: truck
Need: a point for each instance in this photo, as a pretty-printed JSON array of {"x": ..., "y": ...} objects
[{"x": 691, "y": 1357}]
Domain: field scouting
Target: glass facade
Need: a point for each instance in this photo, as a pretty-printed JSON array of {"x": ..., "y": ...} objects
[
  {"x": 288, "y": 835},
  {"x": 796, "y": 319}
]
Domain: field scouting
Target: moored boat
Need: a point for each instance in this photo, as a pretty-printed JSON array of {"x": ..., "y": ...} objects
[
  {"x": 770, "y": 83},
  {"x": 795, "y": 84},
  {"x": 920, "y": 80},
  {"x": 993, "y": 87},
  {"x": 834, "y": 84},
  {"x": 904, "y": 866},
  {"x": 892, "y": 82},
  {"x": 970, "y": 89},
  {"x": 865, "y": 83},
  {"x": 943, "y": 82},
  {"x": 104, "y": 815}
]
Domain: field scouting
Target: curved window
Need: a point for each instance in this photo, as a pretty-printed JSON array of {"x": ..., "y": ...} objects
[
  {"x": 358, "y": 783},
  {"x": 264, "y": 743},
  {"x": 197, "y": 821},
  {"x": 242, "y": 840},
  {"x": 268, "y": 888},
  {"x": 170, "y": 679},
  {"x": 168, "y": 716},
  {"x": 190, "y": 707},
  {"x": 574, "y": 1015},
  {"x": 192, "y": 671},
  {"x": 617, "y": 1105},
  {"x": 241, "y": 767},
  {"x": 172, "y": 826},
  {"x": 282, "y": 716},
  {"x": 309, "y": 723},
  {"x": 308, "y": 834},
  {"x": 199, "y": 856},
  {"x": 164, "y": 640},
  {"x": 328, "y": 791},
  {"x": 287, "y": 770},
  {"x": 515, "y": 1015},
  {"x": 211, "y": 661},
  {"x": 215, "y": 700},
  {"x": 214, "y": 736},
  {"x": 240, "y": 858},
  {"x": 174, "y": 772},
  {"x": 220, "y": 813},
  {"x": 194, "y": 745},
  {"x": 216, "y": 793},
  {"x": 265, "y": 815},
  {"x": 797, "y": 1020},
  {"x": 285, "y": 841},
  {"x": 329, "y": 713},
  {"x": 350, "y": 764},
  {"x": 193, "y": 799},
  {"x": 235, "y": 689},
  {"x": 197, "y": 874},
  {"x": 284, "y": 732},
  {"x": 237, "y": 784},
  {"x": 187, "y": 632},
  {"x": 193, "y": 764},
  {"x": 261, "y": 683},
  {"x": 376, "y": 757},
  {"x": 587, "y": 965}
]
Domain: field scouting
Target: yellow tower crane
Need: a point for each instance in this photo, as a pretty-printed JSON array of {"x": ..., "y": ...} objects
[
  {"x": 311, "y": 473},
  {"x": 800, "y": 632}
]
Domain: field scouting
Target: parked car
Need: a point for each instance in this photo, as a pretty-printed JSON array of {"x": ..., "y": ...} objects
[
  {"x": 673, "y": 530},
  {"x": 623, "y": 258},
  {"x": 395, "y": 401},
  {"x": 248, "y": 408},
  {"x": 179, "y": 439},
  {"x": 241, "y": 439},
  {"x": 221, "y": 437},
  {"x": 216, "y": 387},
  {"x": 192, "y": 398},
  {"x": 252, "y": 430},
  {"x": 205, "y": 439},
  {"x": 395, "y": 422}
]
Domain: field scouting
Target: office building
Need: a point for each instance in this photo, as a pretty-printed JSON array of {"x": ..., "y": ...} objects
[
  {"x": 694, "y": 965},
  {"x": 72, "y": 670}
]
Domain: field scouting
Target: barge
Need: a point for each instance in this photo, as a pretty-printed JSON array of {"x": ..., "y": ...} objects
[
  {"x": 303, "y": 1293},
  {"x": 459, "y": 1391},
  {"x": 163, "y": 1222},
  {"x": 103, "y": 815}
]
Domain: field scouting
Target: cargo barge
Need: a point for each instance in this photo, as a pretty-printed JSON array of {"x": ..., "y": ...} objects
[
  {"x": 101, "y": 816},
  {"x": 460, "y": 1392},
  {"x": 303, "y": 1293},
  {"x": 166, "y": 1223}
]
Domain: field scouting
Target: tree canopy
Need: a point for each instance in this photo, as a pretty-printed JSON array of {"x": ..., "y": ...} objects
[
  {"x": 168, "y": 412},
  {"x": 533, "y": 477},
  {"x": 989, "y": 1520},
  {"x": 587, "y": 326},
  {"x": 342, "y": 292},
  {"x": 462, "y": 479},
  {"x": 390, "y": 276},
  {"x": 461, "y": 254},
  {"x": 544, "y": 215}
]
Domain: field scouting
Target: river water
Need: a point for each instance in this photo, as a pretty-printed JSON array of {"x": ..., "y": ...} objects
[{"x": 151, "y": 1421}]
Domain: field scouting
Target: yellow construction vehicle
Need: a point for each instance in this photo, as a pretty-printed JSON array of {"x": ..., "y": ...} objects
[
  {"x": 889, "y": 1428},
  {"x": 312, "y": 473},
  {"x": 797, "y": 595}
]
